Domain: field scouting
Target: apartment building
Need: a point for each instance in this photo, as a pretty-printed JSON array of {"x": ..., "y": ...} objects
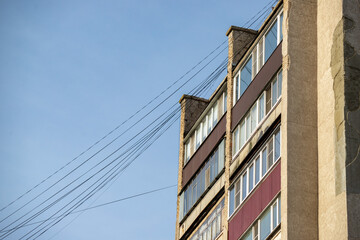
[{"x": 274, "y": 152}]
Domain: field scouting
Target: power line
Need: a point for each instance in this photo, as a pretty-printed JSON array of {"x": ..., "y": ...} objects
[
  {"x": 201, "y": 86},
  {"x": 103, "y": 204},
  {"x": 50, "y": 205}
]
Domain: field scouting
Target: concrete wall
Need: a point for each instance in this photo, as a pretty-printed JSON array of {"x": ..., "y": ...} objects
[
  {"x": 351, "y": 25},
  {"x": 332, "y": 196},
  {"x": 299, "y": 177}
]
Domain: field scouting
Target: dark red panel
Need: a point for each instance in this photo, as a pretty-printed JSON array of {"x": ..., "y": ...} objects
[
  {"x": 204, "y": 150},
  {"x": 256, "y": 86},
  {"x": 255, "y": 204}
]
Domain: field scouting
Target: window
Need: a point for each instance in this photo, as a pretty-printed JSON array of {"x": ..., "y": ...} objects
[
  {"x": 215, "y": 114},
  {"x": 261, "y": 52},
  {"x": 245, "y": 76},
  {"x": 253, "y": 115},
  {"x": 259, "y": 55},
  {"x": 281, "y": 24},
  {"x": 204, "y": 128},
  {"x": 237, "y": 193},
  {"x": 206, "y": 176},
  {"x": 248, "y": 236},
  {"x": 254, "y": 63},
  {"x": 266, "y": 224},
  {"x": 210, "y": 121},
  {"x": 277, "y": 145},
  {"x": 242, "y": 134},
  {"x": 187, "y": 151},
  {"x": 251, "y": 177},
  {"x": 274, "y": 91},
  {"x": 244, "y": 186},
  {"x": 248, "y": 124},
  {"x": 211, "y": 227},
  {"x": 236, "y": 140},
  {"x": 264, "y": 161},
  {"x": 257, "y": 112},
  {"x": 271, "y": 41},
  {"x": 257, "y": 168},
  {"x": 236, "y": 87},
  {"x": 198, "y": 136},
  {"x": 261, "y": 107},
  {"x": 270, "y": 153}
]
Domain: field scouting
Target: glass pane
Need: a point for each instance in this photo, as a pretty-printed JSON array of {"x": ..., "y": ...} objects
[
  {"x": 198, "y": 137},
  {"x": 257, "y": 170},
  {"x": 275, "y": 223},
  {"x": 218, "y": 224},
  {"x": 212, "y": 168},
  {"x": 251, "y": 177},
  {"x": 245, "y": 76},
  {"x": 281, "y": 26},
  {"x": 264, "y": 162},
  {"x": 236, "y": 140},
  {"x": 216, "y": 163},
  {"x": 221, "y": 155},
  {"x": 268, "y": 100},
  {"x": 274, "y": 92},
  {"x": 253, "y": 118},
  {"x": 244, "y": 183},
  {"x": 279, "y": 83},
  {"x": 236, "y": 87},
  {"x": 254, "y": 64},
  {"x": 242, "y": 134},
  {"x": 270, "y": 154},
  {"x": 215, "y": 113},
  {"x": 256, "y": 230},
  {"x": 261, "y": 53},
  {"x": 210, "y": 121},
  {"x": 279, "y": 209},
  {"x": 248, "y": 235},
  {"x": 265, "y": 225},
  {"x": 248, "y": 129},
  {"x": 181, "y": 210},
  {"x": 277, "y": 145},
  {"x": 261, "y": 107},
  {"x": 204, "y": 129},
  {"x": 231, "y": 201},
  {"x": 237, "y": 193},
  {"x": 213, "y": 229},
  {"x": 270, "y": 41}
]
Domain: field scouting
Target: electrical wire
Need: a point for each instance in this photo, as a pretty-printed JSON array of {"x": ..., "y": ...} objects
[{"x": 222, "y": 67}]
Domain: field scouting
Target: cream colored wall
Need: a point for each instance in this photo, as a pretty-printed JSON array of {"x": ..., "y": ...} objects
[
  {"x": 299, "y": 182},
  {"x": 332, "y": 184}
]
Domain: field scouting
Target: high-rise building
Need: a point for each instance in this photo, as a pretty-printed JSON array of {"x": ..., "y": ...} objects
[{"x": 275, "y": 152}]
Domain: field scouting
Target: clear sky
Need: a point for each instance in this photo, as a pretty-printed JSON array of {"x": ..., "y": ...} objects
[{"x": 71, "y": 71}]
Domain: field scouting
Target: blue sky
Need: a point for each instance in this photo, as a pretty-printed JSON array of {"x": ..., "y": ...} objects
[{"x": 71, "y": 71}]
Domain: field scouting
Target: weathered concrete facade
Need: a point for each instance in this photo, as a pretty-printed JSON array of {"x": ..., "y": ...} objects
[{"x": 299, "y": 177}]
